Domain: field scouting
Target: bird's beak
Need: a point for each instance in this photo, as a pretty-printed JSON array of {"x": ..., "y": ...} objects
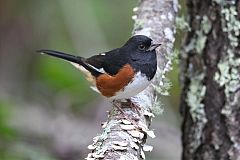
[
  {"x": 154, "y": 46},
  {"x": 61, "y": 55}
]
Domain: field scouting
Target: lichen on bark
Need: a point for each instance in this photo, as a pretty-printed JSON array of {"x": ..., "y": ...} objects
[{"x": 210, "y": 78}]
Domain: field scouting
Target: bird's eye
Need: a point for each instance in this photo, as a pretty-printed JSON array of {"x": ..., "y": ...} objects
[{"x": 141, "y": 47}]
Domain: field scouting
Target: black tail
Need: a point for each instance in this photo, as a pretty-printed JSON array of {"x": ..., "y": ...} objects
[
  {"x": 61, "y": 55},
  {"x": 71, "y": 58}
]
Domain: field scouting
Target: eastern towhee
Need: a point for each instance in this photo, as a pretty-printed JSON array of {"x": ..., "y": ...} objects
[{"x": 120, "y": 73}]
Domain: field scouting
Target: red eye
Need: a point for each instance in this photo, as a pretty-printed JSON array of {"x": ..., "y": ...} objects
[{"x": 141, "y": 47}]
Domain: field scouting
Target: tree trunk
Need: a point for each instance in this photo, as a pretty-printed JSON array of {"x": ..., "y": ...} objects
[
  {"x": 123, "y": 138},
  {"x": 210, "y": 78}
]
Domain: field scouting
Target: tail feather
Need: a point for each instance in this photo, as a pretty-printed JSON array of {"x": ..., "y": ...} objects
[
  {"x": 75, "y": 59},
  {"x": 62, "y": 55}
]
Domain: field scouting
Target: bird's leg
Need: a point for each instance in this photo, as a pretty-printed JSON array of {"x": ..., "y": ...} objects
[
  {"x": 133, "y": 105},
  {"x": 119, "y": 108},
  {"x": 123, "y": 113}
]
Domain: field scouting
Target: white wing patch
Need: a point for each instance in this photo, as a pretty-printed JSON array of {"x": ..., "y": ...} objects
[
  {"x": 101, "y": 70},
  {"x": 102, "y": 54}
]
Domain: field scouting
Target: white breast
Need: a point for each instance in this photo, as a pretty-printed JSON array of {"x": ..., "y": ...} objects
[{"x": 139, "y": 83}]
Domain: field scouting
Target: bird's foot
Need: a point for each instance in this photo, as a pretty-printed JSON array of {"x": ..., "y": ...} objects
[
  {"x": 126, "y": 116},
  {"x": 133, "y": 105}
]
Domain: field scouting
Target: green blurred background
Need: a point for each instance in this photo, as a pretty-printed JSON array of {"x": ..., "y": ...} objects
[{"x": 47, "y": 110}]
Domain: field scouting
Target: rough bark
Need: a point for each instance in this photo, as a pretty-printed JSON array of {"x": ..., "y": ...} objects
[
  {"x": 122, "y": 138},
  {"x": 210, "y": 69}
]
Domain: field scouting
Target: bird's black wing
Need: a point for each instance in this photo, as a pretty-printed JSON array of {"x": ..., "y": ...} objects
[
  {"x": 96, "y": 61},
  {"x": 110, "y": 62}
]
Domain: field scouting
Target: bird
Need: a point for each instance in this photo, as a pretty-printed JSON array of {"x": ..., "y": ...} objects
[{"x": 120, "y": 73}]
